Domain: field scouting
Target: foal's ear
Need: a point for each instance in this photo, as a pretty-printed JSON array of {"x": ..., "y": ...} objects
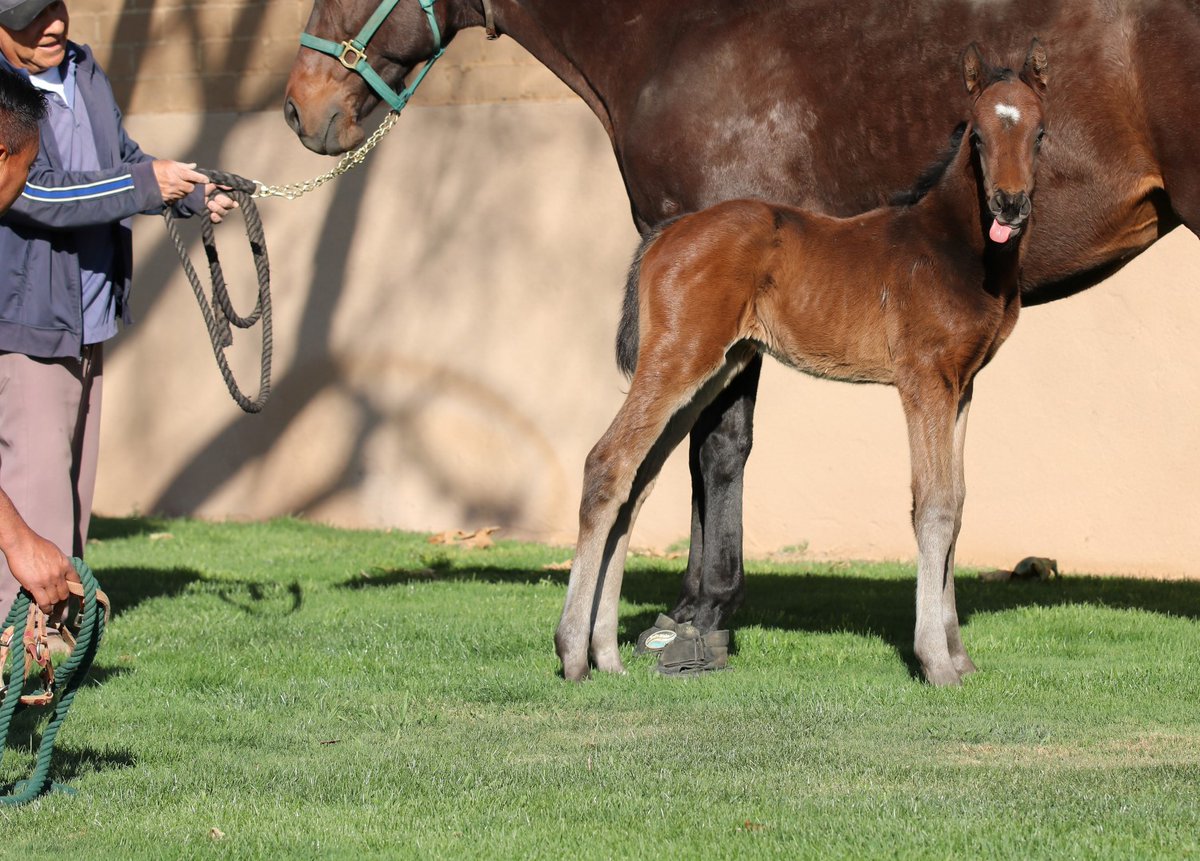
[
  {"x": 1037, "y": 65},
  {"x": 973, "y": 69}
]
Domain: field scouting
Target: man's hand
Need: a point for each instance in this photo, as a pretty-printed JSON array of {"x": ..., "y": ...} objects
[
  {"x": 176, "y": 179},
  {"x": 41, "y": 568},
  {"x": 219, "y": 204}
]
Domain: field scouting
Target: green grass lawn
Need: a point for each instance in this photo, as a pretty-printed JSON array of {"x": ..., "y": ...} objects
[{"x": 289, "y": 690}]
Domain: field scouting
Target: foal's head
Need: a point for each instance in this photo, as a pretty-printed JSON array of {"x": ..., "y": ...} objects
[{"x": 1006, "y": 128}]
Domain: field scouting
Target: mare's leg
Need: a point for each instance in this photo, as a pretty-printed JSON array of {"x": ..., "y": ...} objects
[
  {"x": 932, "y": 411},
  {"x": 720, "y": 445},
  {"x": 958, "y": 652},
  {"x": 656, "y": 415}
]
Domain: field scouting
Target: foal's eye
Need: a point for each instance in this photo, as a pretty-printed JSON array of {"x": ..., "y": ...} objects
[{"x": 1040, "y": 136}]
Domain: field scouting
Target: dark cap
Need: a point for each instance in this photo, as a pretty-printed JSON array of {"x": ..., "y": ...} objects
[{"x": 19, "y": 14}]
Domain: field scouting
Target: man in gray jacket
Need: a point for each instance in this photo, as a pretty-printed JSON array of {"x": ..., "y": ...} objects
[
  {"x": 37, "y": 564},
  {"x": 66, "y": 259}
]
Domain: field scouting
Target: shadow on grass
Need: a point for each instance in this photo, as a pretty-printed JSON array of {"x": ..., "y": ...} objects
[
  {"x": 67, "y": 762},
  {"x": 112, "y": 528},
  {"x": 831, "y": 602},
  {"x": 71, "y": 762},
  {"x": 258, "y": 599},
  {"x": 127, "y": 587}
]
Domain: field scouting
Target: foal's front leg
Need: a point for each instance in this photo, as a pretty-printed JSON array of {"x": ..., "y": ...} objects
[
  {"x": 932, "y": 411},
  {"x": 958, "y": 652}
]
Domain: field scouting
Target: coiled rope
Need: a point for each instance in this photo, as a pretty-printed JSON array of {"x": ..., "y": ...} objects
[
  {"x": 63, "y": 684},
  {"x": 218, "y": 312}
]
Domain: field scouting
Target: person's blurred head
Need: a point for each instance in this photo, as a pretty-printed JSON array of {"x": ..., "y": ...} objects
[{"x": 22, "y": 108}]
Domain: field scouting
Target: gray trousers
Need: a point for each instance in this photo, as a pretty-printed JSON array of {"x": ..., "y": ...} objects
[{"x": 49, "y": 445}]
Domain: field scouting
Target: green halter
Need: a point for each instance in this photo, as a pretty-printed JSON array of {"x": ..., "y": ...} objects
[{"x": 352, "y": 53}]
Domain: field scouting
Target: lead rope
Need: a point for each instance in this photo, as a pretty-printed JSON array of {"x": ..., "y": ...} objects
[
  {"x": 64, "y": 682},
  {"x": 219, "y": 313}
]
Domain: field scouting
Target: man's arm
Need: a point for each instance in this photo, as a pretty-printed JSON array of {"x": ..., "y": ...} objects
[{"x": 37, "y": 564}]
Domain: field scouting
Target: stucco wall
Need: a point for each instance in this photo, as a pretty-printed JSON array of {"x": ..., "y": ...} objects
[{"x": 444, "y": 321}]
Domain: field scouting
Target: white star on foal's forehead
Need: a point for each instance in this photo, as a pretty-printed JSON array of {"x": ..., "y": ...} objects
[{"x": 1008, "y": 112}]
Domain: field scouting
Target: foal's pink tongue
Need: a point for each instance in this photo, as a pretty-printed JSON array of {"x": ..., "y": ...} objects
[{"x": 999, "y": 232}]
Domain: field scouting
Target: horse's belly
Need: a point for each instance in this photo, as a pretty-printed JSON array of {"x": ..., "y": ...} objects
[
  {"x": 837, "y": 333},
  {"x": 833, "y": 364},
  {"x": 1132, "y": 232},
  {"x": 1107, "y": 238}
]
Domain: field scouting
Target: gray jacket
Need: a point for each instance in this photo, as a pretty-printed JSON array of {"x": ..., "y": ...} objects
[{"x": 41, "y": 303}]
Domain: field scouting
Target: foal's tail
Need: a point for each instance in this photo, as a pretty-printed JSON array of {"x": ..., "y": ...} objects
[{"x": 627, "y": 330}]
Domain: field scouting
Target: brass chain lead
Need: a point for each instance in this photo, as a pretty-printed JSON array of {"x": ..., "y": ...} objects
[{"x": 348, "y": 162}]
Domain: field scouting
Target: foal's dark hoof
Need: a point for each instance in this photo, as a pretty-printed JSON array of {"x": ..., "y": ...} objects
[
  {"x": 690, "y": 654},
  {"x": 657, "y": 636}
]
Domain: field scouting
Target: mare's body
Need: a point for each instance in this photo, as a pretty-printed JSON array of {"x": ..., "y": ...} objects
[{"x": 817, "y": 103}]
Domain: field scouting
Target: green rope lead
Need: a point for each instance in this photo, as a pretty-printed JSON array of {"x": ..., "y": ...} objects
[{"x": 67, "y": 678}]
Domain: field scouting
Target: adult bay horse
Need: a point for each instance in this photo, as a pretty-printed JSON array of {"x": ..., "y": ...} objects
[
  {"x": 917, "y": 296},
  {"x": 816, "y": 103}
]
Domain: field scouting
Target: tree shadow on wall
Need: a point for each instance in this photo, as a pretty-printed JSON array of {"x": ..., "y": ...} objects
[{"x": 243, "y": 438}]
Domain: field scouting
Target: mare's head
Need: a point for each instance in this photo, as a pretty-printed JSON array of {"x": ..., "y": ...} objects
[
  {"x": 1006, "y": 127},
  {"x": 326, "y": 98}
]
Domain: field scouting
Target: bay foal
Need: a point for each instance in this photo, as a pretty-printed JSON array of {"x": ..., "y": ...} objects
[{"x": 918, "y": 296}]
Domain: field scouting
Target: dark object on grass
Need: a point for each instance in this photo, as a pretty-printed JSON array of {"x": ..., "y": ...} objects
[
  {"x": 691, "y": 653},
  {"x": 1029, "y": 568}
]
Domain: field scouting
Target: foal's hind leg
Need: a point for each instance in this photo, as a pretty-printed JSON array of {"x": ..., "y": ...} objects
[
  {"x": 656, "y": 415},
  {"x": 932, "y": 411}
]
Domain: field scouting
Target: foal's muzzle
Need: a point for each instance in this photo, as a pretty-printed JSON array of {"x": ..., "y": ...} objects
[{"x": 1011, "y": 209}]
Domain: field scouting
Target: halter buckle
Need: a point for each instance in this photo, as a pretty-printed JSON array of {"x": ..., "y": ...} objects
[{"x": 351, "y": 55}]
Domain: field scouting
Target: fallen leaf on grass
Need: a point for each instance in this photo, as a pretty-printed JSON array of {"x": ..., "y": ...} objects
[
  {"x": 480, "y": 539},
  {"x": 216, "y": 834},
  {"x": 557, "y": 566},
  {"x": 160, "y": 536},
  {"x": 752, "y": 826}
]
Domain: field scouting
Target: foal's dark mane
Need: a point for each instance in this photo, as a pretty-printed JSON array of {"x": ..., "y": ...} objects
[{"x": 933, "y": 174}]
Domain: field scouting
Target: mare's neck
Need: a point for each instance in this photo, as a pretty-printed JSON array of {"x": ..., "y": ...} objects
[{"x": 576, "y": 41}]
